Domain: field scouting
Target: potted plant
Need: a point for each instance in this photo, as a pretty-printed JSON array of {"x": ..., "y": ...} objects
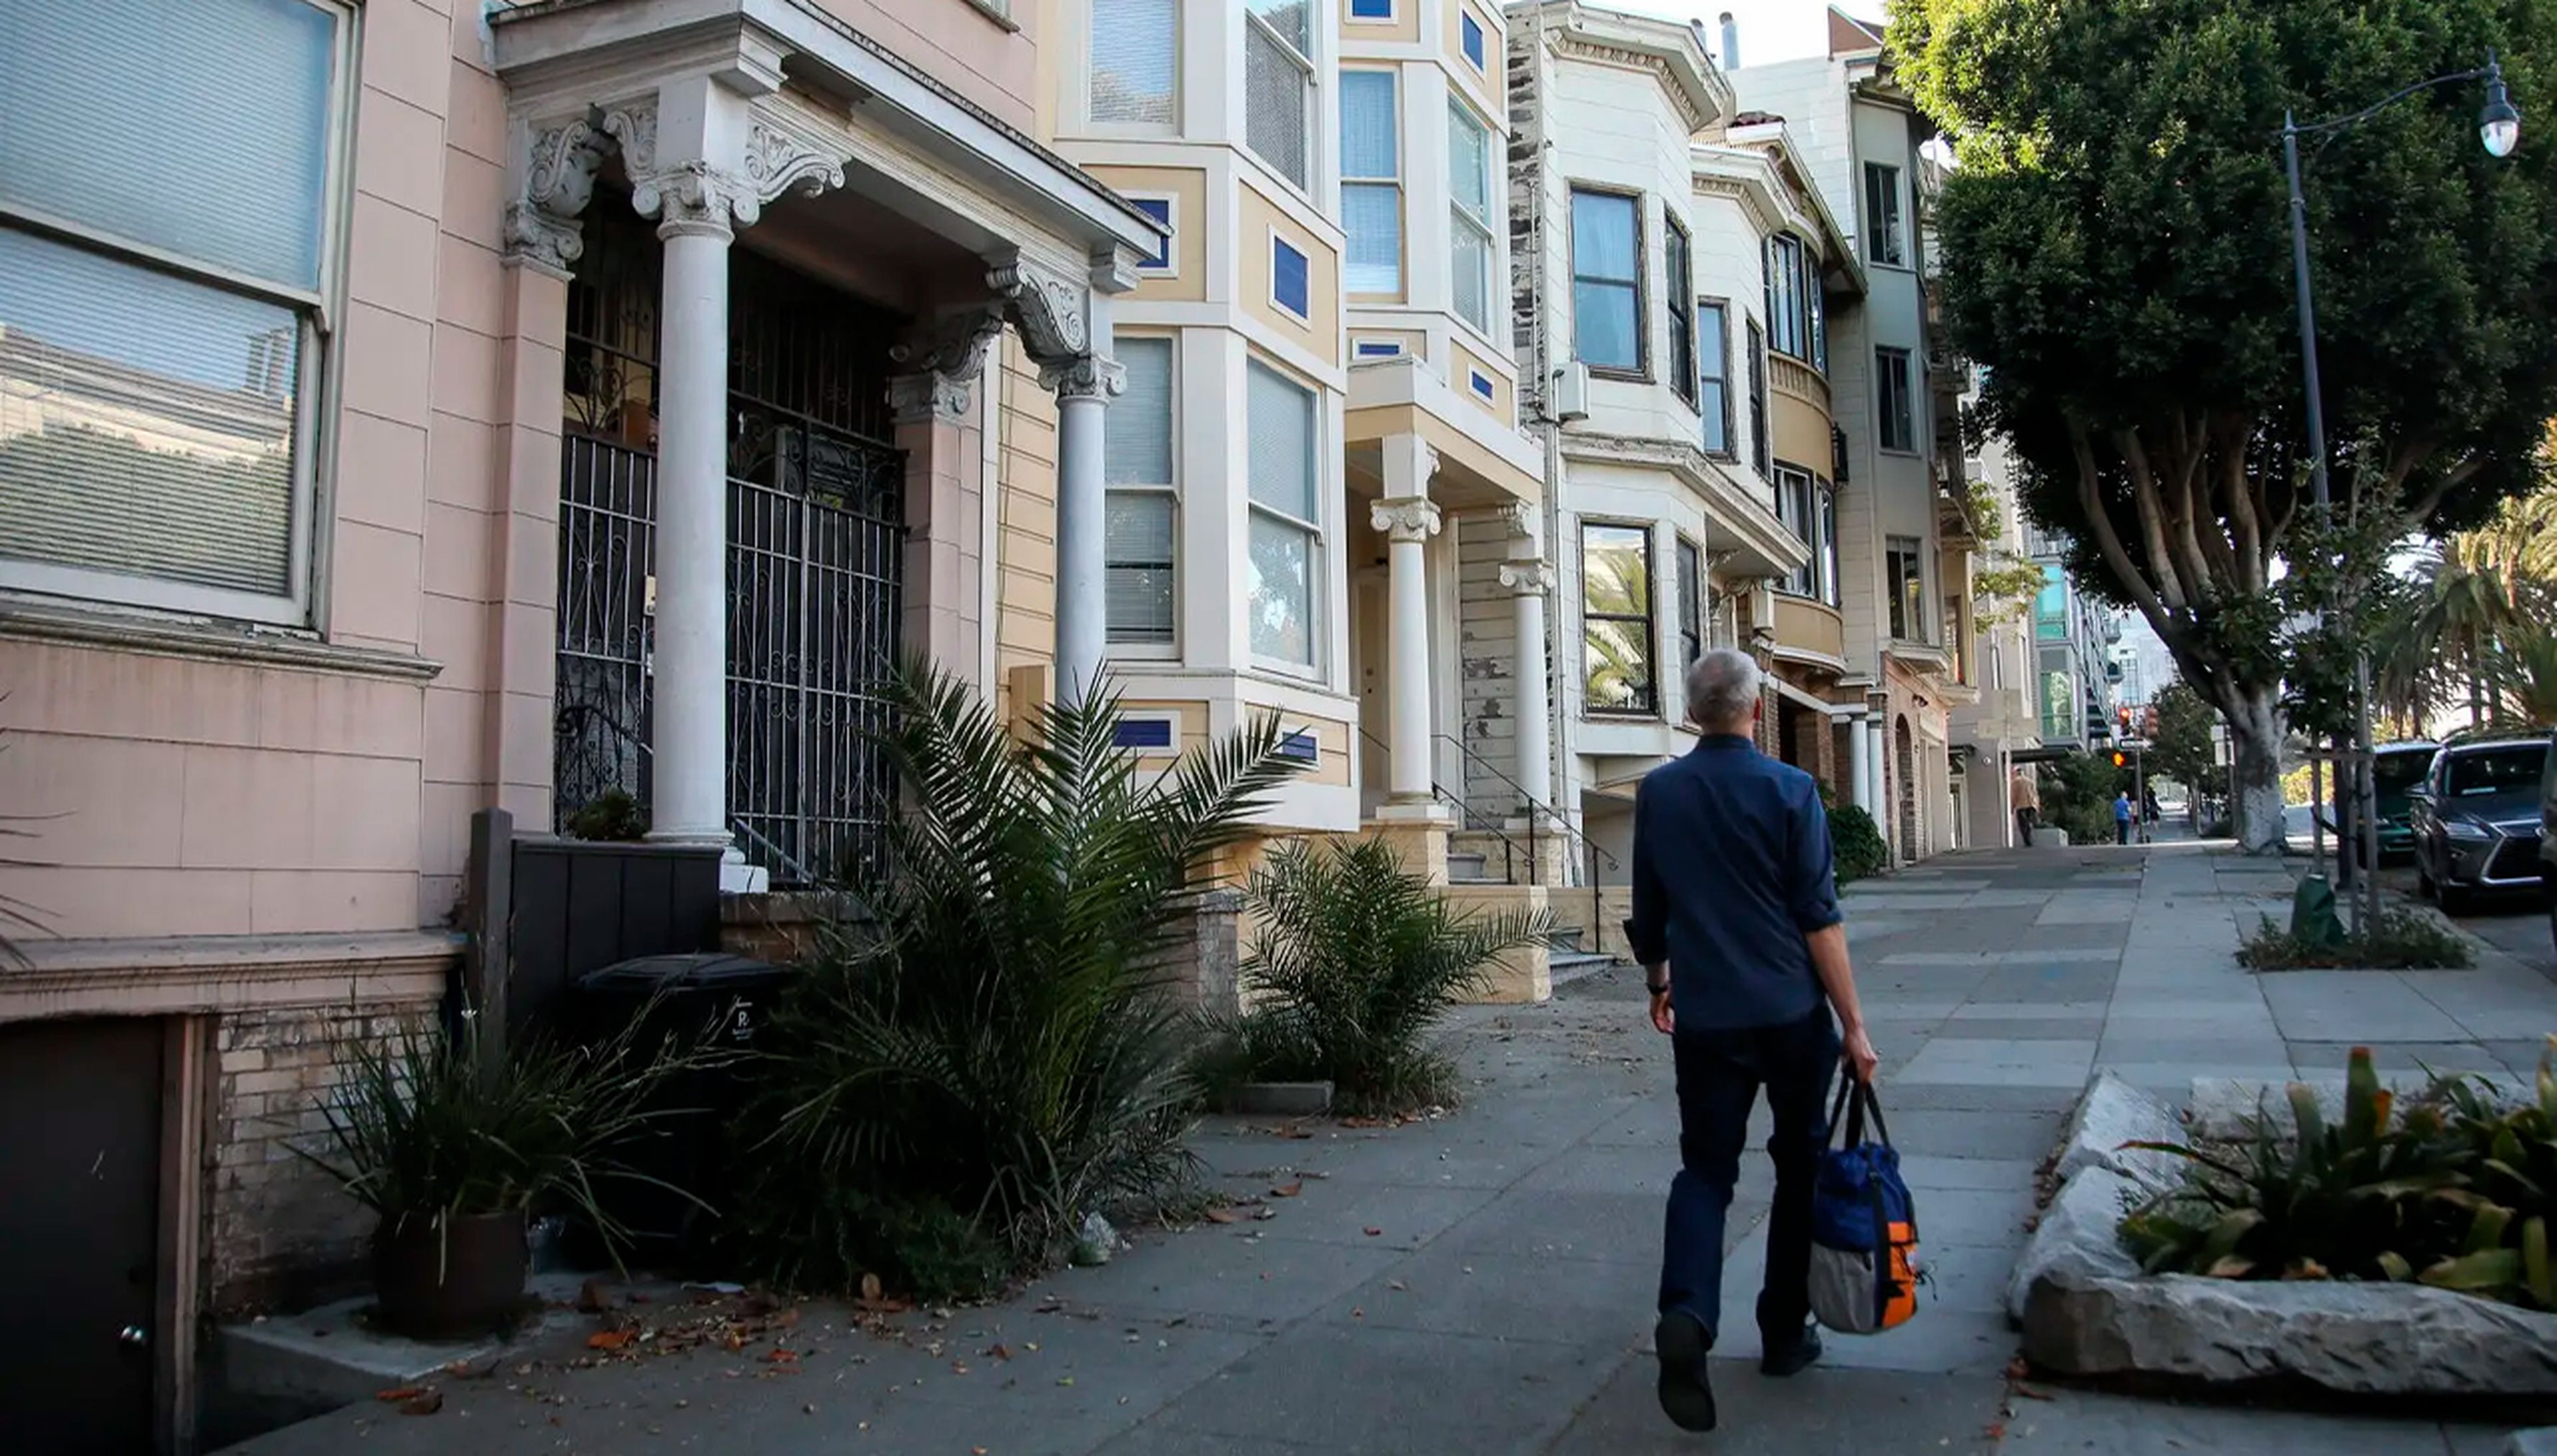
[{"x": 453, "y": 1152}]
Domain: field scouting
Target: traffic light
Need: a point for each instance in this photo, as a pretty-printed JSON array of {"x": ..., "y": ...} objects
[{"x": 2120, "y": 759}]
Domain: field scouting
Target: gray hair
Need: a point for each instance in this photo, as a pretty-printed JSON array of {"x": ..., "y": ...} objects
[{"x": 1720, "y": 688}]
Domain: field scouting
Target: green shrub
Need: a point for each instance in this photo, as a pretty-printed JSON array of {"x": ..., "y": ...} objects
[
  {"x": 2456, "y": 1193},
  {"x": 2401, "y": 940},
  {"x": 1857, "y": 841},
  {"x": 1356, "y": 960},
  {"x": 957, "y": 1081},
  {"x": 418, "y": 1127},
  {"x": 612, "y": 816}
]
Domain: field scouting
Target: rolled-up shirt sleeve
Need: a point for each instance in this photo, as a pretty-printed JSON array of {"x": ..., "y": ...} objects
[
  {"x": 1648, "y": 929},
  {"x": 1812, "y": 879}
]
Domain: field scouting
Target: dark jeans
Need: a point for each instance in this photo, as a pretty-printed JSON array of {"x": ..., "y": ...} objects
[
  {"x": 2024, "y": 821},
  {"x": 1718, "y": 1077},
  {"x": 2121, "y": 831}
]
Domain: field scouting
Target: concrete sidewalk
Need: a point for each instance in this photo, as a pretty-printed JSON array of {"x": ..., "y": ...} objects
[{"x": 1483, "y": 1282}]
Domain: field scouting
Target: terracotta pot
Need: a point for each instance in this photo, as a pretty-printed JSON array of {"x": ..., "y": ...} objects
[{"x": 449, "y": 1280}]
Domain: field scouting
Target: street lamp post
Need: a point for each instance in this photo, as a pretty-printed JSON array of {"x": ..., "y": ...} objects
[{"x": 2498, "y": 131}]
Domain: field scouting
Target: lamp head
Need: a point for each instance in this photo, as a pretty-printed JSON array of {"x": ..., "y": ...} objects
[{"x": 2499, "y": 123}]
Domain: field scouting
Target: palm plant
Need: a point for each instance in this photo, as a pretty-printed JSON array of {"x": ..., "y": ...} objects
[
  {"x": 1355, "y": 962},
  {"x": 990, "y": 1055}
]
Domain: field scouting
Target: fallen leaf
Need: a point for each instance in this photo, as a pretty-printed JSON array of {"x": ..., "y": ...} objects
[
  {"x": 610, "y": 1340},
  {"x": 1996, "y": 1431},
  {"x": 471, "y": 1369},
  {"x": 403, "y": 1392},
  {"x": 1289, "y": 1190},
  {"x": 1000, "y": 1351},
  {"x": 1223, "y": 1216},
  {"x": 1396, "y": 1284},
  {"x": 2029, "y": 1394},
  {"x": 424, "y": 1403},
  {"x": 1376, "y": 1232},
  {"x": 786, "y": 1318}
]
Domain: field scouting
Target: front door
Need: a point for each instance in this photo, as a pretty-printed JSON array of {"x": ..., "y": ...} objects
[{"x": 80, "y": 1233}]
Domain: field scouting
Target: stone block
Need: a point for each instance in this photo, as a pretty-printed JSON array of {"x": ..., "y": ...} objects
[
  {"x": 2110, "y": 1113},
  {"x": 2076, "y": 1241},
  {"x": 2355, "y": 1338}
]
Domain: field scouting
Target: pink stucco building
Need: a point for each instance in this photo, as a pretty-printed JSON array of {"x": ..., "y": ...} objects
[{"x": 607, "y": 389}]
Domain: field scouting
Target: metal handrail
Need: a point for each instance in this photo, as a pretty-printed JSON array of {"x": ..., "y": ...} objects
[
  {"x": 1465, "y": 820},
  {"x": 1531, "y": 801}
]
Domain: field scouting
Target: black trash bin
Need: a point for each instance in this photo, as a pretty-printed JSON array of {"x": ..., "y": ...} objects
[{"x": 721, "y": 1002}]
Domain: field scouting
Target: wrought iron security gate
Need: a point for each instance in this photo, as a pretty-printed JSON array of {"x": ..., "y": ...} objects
[{"x": 815, "y": 552}]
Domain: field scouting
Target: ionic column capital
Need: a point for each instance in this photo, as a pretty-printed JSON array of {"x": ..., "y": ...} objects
[
  {"x": 1083, "y": 378},
  {"x": 1406, "y": 517},
  {"x": 695, "y": 199},
  {"x": 1530, "y": 578}
]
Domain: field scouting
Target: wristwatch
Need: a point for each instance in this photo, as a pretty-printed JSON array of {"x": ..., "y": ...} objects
[{"x": 1660, "y": 989}]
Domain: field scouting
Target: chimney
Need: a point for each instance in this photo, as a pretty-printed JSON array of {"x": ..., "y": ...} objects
[{"x": 1730, "y": 42}]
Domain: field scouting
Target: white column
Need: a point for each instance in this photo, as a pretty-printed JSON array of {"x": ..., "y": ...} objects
[
  {"x": 1859, "y": 759},
  {"x": 1879, "y": 755},
  {"x": 1528, "y": 581},
  {"x": 1407, "y": 517},
  {"x": 1083, "y": 386},
  {"x": 688, "y": 739}
]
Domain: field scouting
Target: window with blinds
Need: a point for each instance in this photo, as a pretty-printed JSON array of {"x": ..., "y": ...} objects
[
  {"x": 1136, "y": 467},
  {"x": 1136, "y": 61},
  {"x": 1713, "y": 367},
  {"x": 160, "y": 335},
  {"x": 1279, "y": 85},
  {"x": 1286, "y": 535},
  {"x": 1469, "y": 180},
  {"x": 1607, "y": 280},
  {"x": 1371, "y": 182}
]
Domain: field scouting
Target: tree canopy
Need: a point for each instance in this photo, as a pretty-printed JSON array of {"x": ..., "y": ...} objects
[{"x": 2115, "y": 249}]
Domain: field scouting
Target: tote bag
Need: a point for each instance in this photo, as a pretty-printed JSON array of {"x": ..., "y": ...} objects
[{"x": 1864, "y": 1227}]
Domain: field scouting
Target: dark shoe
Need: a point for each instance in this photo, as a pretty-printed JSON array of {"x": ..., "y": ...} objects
[
  {"x": 1687, "y": 1396},
  {"x": 1793, "y": 1357}
]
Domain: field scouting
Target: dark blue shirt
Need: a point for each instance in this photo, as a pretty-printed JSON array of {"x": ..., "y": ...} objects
[{"x": 1731, "y": 869}]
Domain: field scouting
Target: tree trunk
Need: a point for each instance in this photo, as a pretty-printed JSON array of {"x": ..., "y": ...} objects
[{"x": 2255, "y": 740}]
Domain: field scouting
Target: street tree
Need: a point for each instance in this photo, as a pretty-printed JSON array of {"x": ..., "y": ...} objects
[
  {"x": 2115, "y": 249},
  {"x": 2181, "y": 748}
]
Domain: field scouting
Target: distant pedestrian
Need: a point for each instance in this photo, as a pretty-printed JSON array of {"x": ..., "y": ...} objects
[
  {"x": 1738, "y": 928},
  {"x": 2149, "y": 805},
  {"x": 2024, "y": 795},
  {"x": 2122, "y": 818}
]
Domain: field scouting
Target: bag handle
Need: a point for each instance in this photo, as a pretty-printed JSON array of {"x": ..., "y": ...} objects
[{"x": 1856, "y": 1098}]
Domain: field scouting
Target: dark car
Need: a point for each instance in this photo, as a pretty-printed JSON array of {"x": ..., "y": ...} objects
[{"x": 2477, "y": 819}]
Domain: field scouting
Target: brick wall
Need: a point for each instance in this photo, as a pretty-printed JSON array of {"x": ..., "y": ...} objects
[{"x": 278, "y": 1231}]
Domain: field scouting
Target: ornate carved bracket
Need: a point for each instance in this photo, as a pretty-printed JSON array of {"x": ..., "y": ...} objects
[
  {"x": 1052, "y": 311},
  {"x": 1529, "y": 578},
  {"x": 1406, "y": 517},
  {"x": 776, "y": 162},
  {"x": 558, "y": 163},
  {"x": 945, "y": 361},
  {"x": 694, "y": 199}
]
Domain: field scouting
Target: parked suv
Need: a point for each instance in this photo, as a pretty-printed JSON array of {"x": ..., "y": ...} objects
[{"x": 2477, "y": 819}]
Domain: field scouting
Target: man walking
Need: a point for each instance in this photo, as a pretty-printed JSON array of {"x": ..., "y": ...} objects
[
  {"x": 2024, "y": 794},
  {"x": 1737, "y": 926},
  {"x": 2123, "y": 817}
]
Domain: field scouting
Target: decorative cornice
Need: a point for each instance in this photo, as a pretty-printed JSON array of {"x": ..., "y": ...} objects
[
  {"x": 929, "y": 397},
  {"x": 557, "y": 163},
  {"x": 1051, "y": 311},
  {"x": 1581, "y": 47},
  {"x": 1520, "y": 517},
  {"x": 1405, "y": 518},
  {"x": 1529, "y": 578},
  {"x": 1084, "y": 376}
]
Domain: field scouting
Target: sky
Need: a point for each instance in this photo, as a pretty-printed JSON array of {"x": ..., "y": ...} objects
[{"x": 1770, "y": 29}]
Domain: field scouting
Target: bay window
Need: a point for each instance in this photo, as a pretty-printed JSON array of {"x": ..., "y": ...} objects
[
  {"x": 1681, "y": 296},
  {"x": 1469, "y": 173},
  {"x": 1616, "y": 618},
  {"x": 1285, "y": 533},
  {"x": 1371, "y": 182},
  {"x": 1714, "y": 375},
  {"x": 1607, "y": 280},
  {"x": 1279, "y": 85},
  {"x": 1136, "y": 61},
  {"x": 166, "y": 320},
  {"x": 1136, "y": 467}
]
